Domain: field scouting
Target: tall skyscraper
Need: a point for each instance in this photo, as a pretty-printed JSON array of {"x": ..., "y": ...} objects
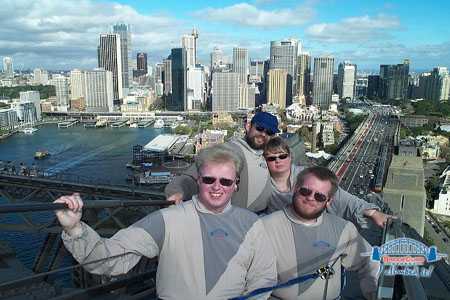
[
  {"x": 125, "y": 54},
  {"x": 99, "y": 90},
  {"x": 189, "y": 43},
  {"x": 304, "y": 77},
  {"x": 167, "y": 76},
  {"x": 241, "y": 64},
  {"x": 394, "y": 81},
  {"x": 323, "y": 81},
  {"x": 276, "y": 87},
  {"x": 110, "y": 59},
  {"x": 178, "y": 100},
  {"x": 76, "y": 84},
  {"x": 346, "y": 80},
  {"x": 62, "y": 92},
  {"x": 225, "y": 95},
  {"x": 159, "y": 72},
  {"x": 256, "y": 71},
  {"x": 8, "y": 68},
  {"x": 283, "y": 55},
  {"x": 216, "y": 58},
  {"x": 141, "y": 63},
  {"x": 195, "y": 88},
  {"x": 373, "y": 86}
]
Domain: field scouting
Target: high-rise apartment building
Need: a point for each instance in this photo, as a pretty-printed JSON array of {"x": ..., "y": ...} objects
[
  {"x": 323, "y": 81},
  {"x": 34, "y": 98},
  {"x": 167, "y": 76},
  {"x": 8, "y": 119},
  {"x": 241, "y": 64},
  {"x": 8, "y": 68},
  {"x": 62, "y": 92},
  {"x": 225, "y": 94},
  {"x": 110, "y": 59},
  {"x": 436, "y": 84},
  {"x": 189, "y": 43},
  {"x": 99, "y": 90},
  {"x": 276, "y": 87},
  {"x": 40, "y": 77},
  {"x": 394, "y": 81},
  {"x": 304, "y": 77},
  {"x": 141, "y": 63},
  {"x": 216, "y": 58},
  {"x": 124, "y": 31},
  {"x": 179, "y": 76},
  {"x": 76, "y": 84},
  {"x": 346, "y": 80},
  {"x": 283, "y": 55}
]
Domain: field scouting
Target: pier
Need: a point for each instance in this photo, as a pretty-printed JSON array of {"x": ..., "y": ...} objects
[
  {"x": 146, "y": 123},
  {"x": 118, "y": 124},
  {"x": 67, "y": 124}
]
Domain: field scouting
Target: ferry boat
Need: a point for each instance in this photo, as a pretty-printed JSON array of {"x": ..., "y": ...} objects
[
  {"x": 29, "y": 130},
  {"x": 159, "y": 123},
  {"x": 41, "y": 154}
]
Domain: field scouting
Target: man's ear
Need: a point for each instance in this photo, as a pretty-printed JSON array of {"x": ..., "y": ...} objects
[
  {"x": 248, "y": 125},
  {"x": 329, "y": 202}
]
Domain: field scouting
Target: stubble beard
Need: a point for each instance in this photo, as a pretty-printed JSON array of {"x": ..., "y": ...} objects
[{"x": 251, "y": 142}]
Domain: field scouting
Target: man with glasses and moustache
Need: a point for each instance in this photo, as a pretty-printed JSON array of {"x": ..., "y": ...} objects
[
  {"x": 207, "y": 248},
  {"x": 255, "y": 179},
  {"x": 305, "y": 238}
]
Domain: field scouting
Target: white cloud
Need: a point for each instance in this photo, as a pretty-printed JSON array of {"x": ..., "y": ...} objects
[
  {"x": 354, "y": 30},
  {"x": 65, "y": 33},
  {"x": 249, "y": 15}
]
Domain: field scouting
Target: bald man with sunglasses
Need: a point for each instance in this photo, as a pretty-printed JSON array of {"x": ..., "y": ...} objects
[
  {"x": 305, "y": 238},
  {"x": 255, "y": 182},
  {"x": 208, "y": 249}
]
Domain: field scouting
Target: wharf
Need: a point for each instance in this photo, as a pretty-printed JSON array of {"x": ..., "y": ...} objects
[
  {"x": 118, "y": 124},
  {"x": 67, "y": 124},
  {"x": 144, "y": 124}
]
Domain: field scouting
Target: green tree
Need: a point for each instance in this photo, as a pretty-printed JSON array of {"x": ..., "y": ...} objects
[{"x": 45, "y": 91}]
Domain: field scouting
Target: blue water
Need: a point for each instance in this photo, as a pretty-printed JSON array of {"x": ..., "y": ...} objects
[{"x": 95, "y": 154}]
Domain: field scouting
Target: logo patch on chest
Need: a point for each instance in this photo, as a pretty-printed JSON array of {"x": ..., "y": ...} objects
[
  {"x": 321, "y": 244},
  {"x": 218, "y": 234}
]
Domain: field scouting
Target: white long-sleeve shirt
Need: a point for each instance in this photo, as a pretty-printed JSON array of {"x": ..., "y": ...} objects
[{"x": 202, "y": 255}]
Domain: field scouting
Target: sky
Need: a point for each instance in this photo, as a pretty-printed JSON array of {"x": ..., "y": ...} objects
[{"x": 63, "y": 34}]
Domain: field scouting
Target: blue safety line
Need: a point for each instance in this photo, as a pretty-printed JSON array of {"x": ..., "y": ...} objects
[{"x": 293, "y": 281}]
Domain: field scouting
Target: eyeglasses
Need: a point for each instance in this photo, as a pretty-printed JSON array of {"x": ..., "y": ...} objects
[
  {"x": 319, "y": 197},
  {"x": 275, "y": 157},
  {"x": 262, "y": 129},
  {"x": 222, "y": 181}
]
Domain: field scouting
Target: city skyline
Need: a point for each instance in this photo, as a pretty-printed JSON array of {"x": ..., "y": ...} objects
[{"x": 64, "y": 35}]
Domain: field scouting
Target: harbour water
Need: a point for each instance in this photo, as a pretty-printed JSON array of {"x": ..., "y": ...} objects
[{"x": 95, "y": 154}]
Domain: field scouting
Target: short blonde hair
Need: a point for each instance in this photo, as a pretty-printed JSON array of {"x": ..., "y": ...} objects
[{"x": 218, "y": 154}]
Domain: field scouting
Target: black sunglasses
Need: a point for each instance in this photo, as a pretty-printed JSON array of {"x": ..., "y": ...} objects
[
  {"x": 262, "y": 129},
  {"x": 222, "y": 181},
  {"x": 319, "y": 197},
  {"x": 275, "y": 157}
]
